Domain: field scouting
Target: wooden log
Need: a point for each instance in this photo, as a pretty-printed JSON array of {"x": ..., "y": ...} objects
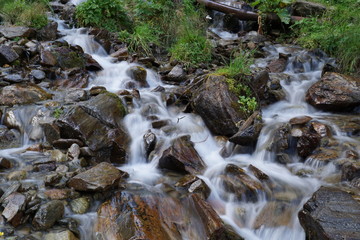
[{"x": 240, "y": 13}]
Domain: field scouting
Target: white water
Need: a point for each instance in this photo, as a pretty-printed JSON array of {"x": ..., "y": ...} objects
[{"x": 241, "y": 215}]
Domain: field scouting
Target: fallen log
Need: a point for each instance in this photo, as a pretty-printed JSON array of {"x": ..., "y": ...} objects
[{"x": 240, "y": 13}]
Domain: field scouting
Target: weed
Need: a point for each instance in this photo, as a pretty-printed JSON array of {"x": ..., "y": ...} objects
[
  {"x": 274, "y": 6},
  {"x": 57, "y": 112},
  {"x": 239, "y": 65}
]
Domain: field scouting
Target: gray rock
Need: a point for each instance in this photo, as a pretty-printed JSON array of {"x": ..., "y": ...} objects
[
  {"x": 176, "y": 75},
  {"x": 49, "y": 32},
  {"x": 7, "y": 55},
  {"x": 75, "y": 95},
  {"x": 48, "y": 214},
  {"x": 38, "y": 74},
  {"x": 331, "y": 214},
  {"x": 14, "y": 208},
  {"x": 14, "y": 78},
  {"x": 13, "y": 32},
  {"x": 138, "y": 74},
  {"x": 61, "y": 235},
  {"x": 80, "y": 205}
]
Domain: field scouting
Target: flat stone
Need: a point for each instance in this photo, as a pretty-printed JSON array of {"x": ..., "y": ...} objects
[
  {"x": 48, "y": 214},
  {"x": 300, "y": 120},
  {"x": 13, "y": 32},
  {"x": 7, "y": 55},
  {"x": 38, "y": 74},
  {"x": 62, "y": 235}
]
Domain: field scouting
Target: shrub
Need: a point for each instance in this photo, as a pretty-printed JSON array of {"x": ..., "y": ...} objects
[
  {"x": 108, "y": 14},
  {"x": 274, "y": 6}
]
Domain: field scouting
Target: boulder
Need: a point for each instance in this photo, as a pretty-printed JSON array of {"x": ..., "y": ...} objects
[
  {"x": 99, "y": 178},
  {"x": 48, "y": 214},
  {"x": 278, "y": 65},
  {"x": 9, "y": 138},
  {"x": 7, "y": 55},
  {"x": 182, "y": 157},
  {"x": 307, "y": 143},
  {"x": 331, "y": 214},
  {"x": 22, "y": 94},
  {"x": 176, "y": 75},
  {"x": 80, "y": 205},
  {"x": 150, "y": 142},
  {"x": 14, "y": 32},
  {"x": 335, "y": 92},
  {"x": 350, "y": 171},
  {"x": 138, "y": 74},
  {"x": 307, "y": 9},
  {"x": 193, "y": 184},
  {"x": 48, "y": 32},
  {"x": 217, "y": 106}
]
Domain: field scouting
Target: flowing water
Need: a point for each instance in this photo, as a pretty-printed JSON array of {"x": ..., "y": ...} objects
[{"x": 273, "y": 215}]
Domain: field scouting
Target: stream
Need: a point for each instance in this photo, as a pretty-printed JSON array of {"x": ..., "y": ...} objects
[{"x": 272, "y": 211}]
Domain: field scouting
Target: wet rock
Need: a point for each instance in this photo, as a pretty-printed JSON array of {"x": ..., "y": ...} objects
[
  {"x": 350, "y": 171},
  {"x": 48, "y": 32},
  {"x": 335, "y": 92},
  {"x": 138, "y": 216},
  {"x": 97, "y": 90},
  {"x": 138, "y": 74},
  {"x": 176, "y": 75},
  {"x": 5, "y": 163},
  {"x": 247, "y": 136},
  {"x": 14, "y": 208},
  {"x": 76, "y": 95},
  {"x": 99, "y": 178},
  {"x": 48, "y": 59},
  {"x": 47, "y": 166},
  {"x": 307, "y": 143},
  {"x": 150, "y": 142},
  {"x": 80, "y": 205},
  {"x": 331, "y": 214},
  {"x": 258, "y": 173},
  {"x": 274, "y": 214},
  {"x": 9, "y": 138},
  {"x": 215, "y": 229},
  {"x": 193, "y": 184},
  {"x": 122, "y": 54},
  {"x": 14, "y": 32},
  {"x": 74, "y": 151},
  {"x": 281, "y": 140},
  {"x": 300, "y": 120},
  {"x": 62, "y": 235},
  {"x": 17, "y": 175},
  {"x": 66, "y": 143},
  {"x": 58, "y": 194},
  {"x": 278, "y": 65},
  {"x": 7, "y": 55},
  {"x": 307, "y": 9},
  {"x": 48, "y": 214},
  {"x": 38, "y": 74},
  {"x": 182, "y": 157},
  {"x": 321, "y": 129},
  {"x": 22, "y": 94},
  {"x": 91, "y": 64},
  {"x": 259, "y": 83},
  {"x": 160, "y": 123},
  {"x": 235, "y": 180},
  {"x": 14, "y": 78},
  {"x": 276, "y": 92},
  {"x": 231, "y": 23},
  {"x": 217, "y": 106}
]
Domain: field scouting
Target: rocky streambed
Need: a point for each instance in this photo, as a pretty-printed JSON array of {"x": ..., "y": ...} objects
[{"x": 100, "y": 144}]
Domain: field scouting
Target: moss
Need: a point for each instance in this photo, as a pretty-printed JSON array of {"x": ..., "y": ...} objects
[{"x": 119, "y": 103}]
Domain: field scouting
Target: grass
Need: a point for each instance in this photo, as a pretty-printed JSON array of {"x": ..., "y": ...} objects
[
  {"x": 31, "y": 13},
  {"x": 239, "y": 65},
  {"x": 337, "y": 32}
]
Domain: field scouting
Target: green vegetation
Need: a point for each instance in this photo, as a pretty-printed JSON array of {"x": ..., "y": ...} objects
[
  {"x": 240, "y": 65},
  {"x": 274, "y": 6},
  {"x": 337, "y": 32},
  {"x": 177, "y": 26},
  {"x": 31, "y": 13},
  {"x": 58, "y": 112}
]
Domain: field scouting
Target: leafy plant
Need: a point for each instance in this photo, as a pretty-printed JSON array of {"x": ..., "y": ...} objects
[
  {"x": 274, "y": 6},
  {"x": 108, "y": 14},
  {"x": 57, "y": 112},
  {"x": 239, "y": 65}
]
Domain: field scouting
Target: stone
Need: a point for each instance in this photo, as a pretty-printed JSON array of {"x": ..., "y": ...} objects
[
  {"x": 217, "y": 106},
  {"x": 66, "y": 143},
  {"x": 335, "y": 92},
  {"x": 74, "y": 151},
  {"x": 121, "y": 54},
  {"x": 176, "y": 75},
  {"x": 7, "y": 55},
  {"x": 5, "y": 163},
  {"x": 182, "y": 157},
  {"x": 258, "y": 173},
  {"x": 48, "y": 32},
  {"x": 38, "y": 74},
  {"x": 14, "y": 78},
  {"x": 97, "y": 90},
  {"x": 48, "y": 214},
  {"x": 22, "y": 94},
  {"x": 321, "y": 129},
  {"x": 275, "y": 214},
  {"x": 61, "y": 235},
  {"x": 259, "y": 83},
  {"x": 331, "y": 214},
  {"x": 300, "y": 120},
  {"x": 150, "y": 142},
  {"x": 307, "y": 9},
  {"x": 91, "y": 64},
  {"x": 99, "y": 178},
  {"x": 14, "y": 32},
  {"x": 75, "y": 95},
  {"x": 138, "y": 74},
  {"x": 9, "y": 138},
  {"x": 17, "y": 175},
  {"x": 350, "y": 171},
  {"x": 307, "y": 143},
  {"x": 278, "y": 65},
  {"x": 13, "y": 211},
  {"x": 80, "y": 205},
  {"x": 281, "y": 140},
  {"x": 57, "y": 194},
  {"x": 247, "y": 136},
  {"x": 231, "y": 23},
  {"x": 48, "y": 59},
  {"x": 193, "y": 184}
]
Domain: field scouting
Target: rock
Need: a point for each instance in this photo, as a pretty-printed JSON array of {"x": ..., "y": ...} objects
[
  {"x": 5, "y": 163},
  {"x": 160, "y": 123},
  {"x": 9, "y": 138},
  {"x": 7, "y": 55},
  {"x": 14, "y": 78},
  {"x": 22, "y": 94},
  {"x": 51, "y": 131},
  {"x": 38, "y": 74},
  {"x": 258, "y": 173},
  {"x": 48, "y": 32},
  {"x": 278, "y": 65},
  {"x": 281, "y": 140},
  {"x": 80, "y": 205},
  {"x": 248, "y": 136},
  {"x": 122, "y": 54},
  {"x": 14, "y": 209},
  {"x": 300, "y": 120},
  {"x": 17, "y": 175},
  {"x": 74, "y": 151},
  {"x": 140, "y": 215},
  {"x": 176, "y": 75},
  {"x": 62, "y": 235},
  {"x": 99, "y": 178},
  {"x": 14, "y": 32},
  {"x": 193, "y": 184},
  {"x": 321, "y": 129},
  {"x": 91, "y": 64},
  {"x": 231, "y": 23},
  {"x": 48, "y": 214},
  {"x": 307, "y": 9},
  {"x": 217, "y": 106},
  {"x": 75, "y": 95},
  {"x": 138, "y": 74},
  {"x": 307, "y": 143},
  {"x": 48, "y": 59},
  {"x": 259, "y": 83},
  {"x": 150, "y": 142},
  {"x": 350, "y": 171},
  {"x": 182, "y": 157},
  {"x": 66, "y": 143},
  {"x": 335, "y": 92},
  {"x": 236, "y": 181},
  {"x": 215, "y": 229},
  {"x": 58, "y": 194},
  {"x": 331, "y": 214},
  {"x": 274, "y": 214},
  {"x": 97, "y": 90}
]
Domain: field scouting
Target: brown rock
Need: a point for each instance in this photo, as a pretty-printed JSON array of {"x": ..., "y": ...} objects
[
  {"x": 5, "y": 163},
  {"x": 193, "y": 184},
  {"x": 58, "y": 194},
  {"x": 307, "y": 143},
  {"x": 300, "y": 120},
  {"x": 321, "y": 129},
  {"x": 99, "y": 178},
  {"x": 13, "y": 211},
  {"x": 48, "y": 214}
]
